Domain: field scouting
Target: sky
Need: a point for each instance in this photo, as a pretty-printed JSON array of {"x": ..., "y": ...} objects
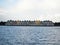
[{"x": 30, "y": 10}]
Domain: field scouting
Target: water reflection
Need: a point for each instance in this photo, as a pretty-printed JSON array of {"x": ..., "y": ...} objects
[{"x": 16, "y": 35}]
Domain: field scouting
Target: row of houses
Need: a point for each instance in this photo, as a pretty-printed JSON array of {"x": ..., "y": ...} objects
[{"x": 30, "y": 23}]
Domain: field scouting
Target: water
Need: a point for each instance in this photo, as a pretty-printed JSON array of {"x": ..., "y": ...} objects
[{"x": 28, "y": 35}]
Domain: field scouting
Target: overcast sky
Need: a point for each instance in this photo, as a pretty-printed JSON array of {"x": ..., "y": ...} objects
[{"x": 30, "y": 10}]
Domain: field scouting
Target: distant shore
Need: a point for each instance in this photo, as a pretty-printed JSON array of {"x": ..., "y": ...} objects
[
  {"x": 30, "y": 25},
  {"x": 46, "y": 23}
]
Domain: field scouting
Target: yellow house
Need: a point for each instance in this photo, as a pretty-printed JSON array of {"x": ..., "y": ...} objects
[
  {"x": 18, "y": 22},
  {"x": 37, "y": 22}
]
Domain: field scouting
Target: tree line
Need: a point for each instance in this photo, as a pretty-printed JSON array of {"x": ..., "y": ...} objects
[{"x": 55, "y": 24}]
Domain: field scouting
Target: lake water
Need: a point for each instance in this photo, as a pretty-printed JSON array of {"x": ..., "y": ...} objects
[{"x": 29, "y": 35}]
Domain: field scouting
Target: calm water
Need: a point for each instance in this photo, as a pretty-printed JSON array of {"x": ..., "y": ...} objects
[{"x": 26, "y": 35}]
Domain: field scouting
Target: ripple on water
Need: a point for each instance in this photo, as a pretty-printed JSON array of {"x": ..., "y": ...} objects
[{"x": 29, "y": 35}]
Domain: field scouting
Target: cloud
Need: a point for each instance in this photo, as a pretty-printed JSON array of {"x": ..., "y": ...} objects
[
  {"x": 3, "y": 11},
  {"x": 33, "y": 9},
  {"x": 47, "y": 5}
]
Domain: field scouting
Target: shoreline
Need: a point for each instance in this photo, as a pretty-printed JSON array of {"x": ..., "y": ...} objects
[{"x": 30, "y": 25}]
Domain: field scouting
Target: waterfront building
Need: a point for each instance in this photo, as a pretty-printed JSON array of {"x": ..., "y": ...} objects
[
  {"x": 47, "y": 23},
  {"x": 31, "y": 23},
  {"x": 37, "y": 22}
]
